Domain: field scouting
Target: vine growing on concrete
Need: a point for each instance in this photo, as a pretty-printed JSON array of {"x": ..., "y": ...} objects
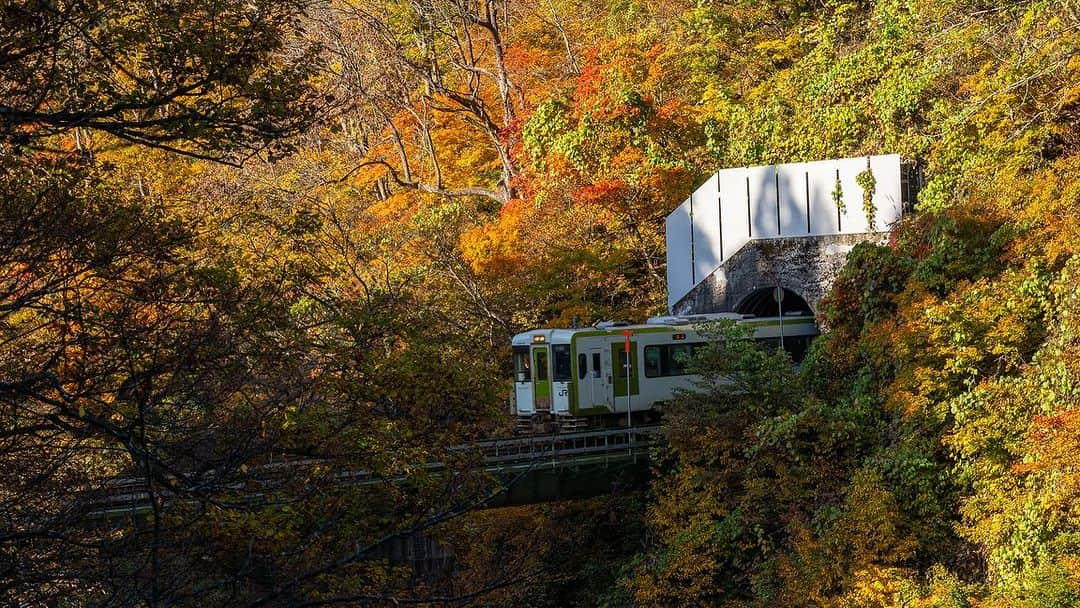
[
  {"x": 868, "y": 183},
  {"x": 838, "y": 195}
]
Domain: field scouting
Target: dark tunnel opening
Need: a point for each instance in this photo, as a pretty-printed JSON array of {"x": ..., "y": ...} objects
[{"x": 762, "y": 303}]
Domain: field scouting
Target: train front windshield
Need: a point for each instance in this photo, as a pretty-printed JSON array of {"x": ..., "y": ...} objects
[
  {"x": 561, "y": 361},
  {"x": 522, "y": 371}
]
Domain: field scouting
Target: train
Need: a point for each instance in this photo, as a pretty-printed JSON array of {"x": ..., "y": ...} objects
[{"x": 570, "y": 379}]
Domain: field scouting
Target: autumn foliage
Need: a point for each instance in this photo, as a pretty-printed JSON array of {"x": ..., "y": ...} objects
[{"x": 238, "y": 234}]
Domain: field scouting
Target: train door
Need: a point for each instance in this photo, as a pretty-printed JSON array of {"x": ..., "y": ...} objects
[
  {"x": 619, "y": 388},
  {"x": 523, "y": 391},
  {"x": 599, "y": 378},
  {"x": 541, "y": 379},
  {"x": 561, "y": 375}
]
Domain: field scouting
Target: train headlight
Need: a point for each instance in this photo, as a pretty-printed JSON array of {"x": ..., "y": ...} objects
[{"x": 538, "y": 339}]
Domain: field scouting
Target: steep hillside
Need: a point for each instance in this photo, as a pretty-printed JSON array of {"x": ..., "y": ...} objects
[{"x": 241, "y": 234}]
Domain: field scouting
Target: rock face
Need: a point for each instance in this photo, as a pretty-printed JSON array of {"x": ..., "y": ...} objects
[{"x": 806, "y": 266}]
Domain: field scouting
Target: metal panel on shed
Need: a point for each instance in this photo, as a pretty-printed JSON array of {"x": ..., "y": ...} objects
[
  {"x": 708, "y": 241},
  {"x": 763, "y": 217},
  {"x": 680, "y": 275},
  {"x": 791, "y": 182},
  {"x": 854, "y": 218},
  {"x": 888, "y": 198},
  {"x": 734, "y": 209},
  {"x": 824, "y": 217}
]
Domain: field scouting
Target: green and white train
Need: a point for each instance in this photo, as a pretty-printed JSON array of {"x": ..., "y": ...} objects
[{"x": 575, "y": 378}]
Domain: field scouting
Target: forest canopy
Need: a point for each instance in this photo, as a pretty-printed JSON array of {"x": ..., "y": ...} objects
[{"x": 240, "y": 234}]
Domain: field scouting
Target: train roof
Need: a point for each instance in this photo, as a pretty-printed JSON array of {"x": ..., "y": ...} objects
[
  {"x": 551, "y": 336},
  {"x": 563, "y": 336}
]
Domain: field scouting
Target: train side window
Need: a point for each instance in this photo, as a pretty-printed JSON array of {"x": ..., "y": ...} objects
[
  {"x": 596, "y": 365},
  {"x": 582, "y": 366},
  {"x": 669, "y": 359},
  {"x": 541, "y": 365},
  {"x": 796, "y": 346},
  {"x": 522, "y": 373},
  {"x": 560, "y": 355},
  {"x": 680, "y": 358},
  {"x": 653, "y": 357}
]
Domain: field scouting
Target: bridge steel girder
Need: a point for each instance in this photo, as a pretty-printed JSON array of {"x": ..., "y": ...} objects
[{"x": 568, "y": 482}]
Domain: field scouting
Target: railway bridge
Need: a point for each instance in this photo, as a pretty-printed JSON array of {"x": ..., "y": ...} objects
[
  {"x": 530, "y": 469},
  {"x": 582, "y": 464}
]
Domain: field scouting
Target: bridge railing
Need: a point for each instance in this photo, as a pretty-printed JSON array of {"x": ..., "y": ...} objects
[
  {"x": 564, "y": 448},
  {"x": 130, "y": 494}
]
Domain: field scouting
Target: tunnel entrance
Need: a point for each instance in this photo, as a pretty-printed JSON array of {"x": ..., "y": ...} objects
[{"x": 762, "y": 303}]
